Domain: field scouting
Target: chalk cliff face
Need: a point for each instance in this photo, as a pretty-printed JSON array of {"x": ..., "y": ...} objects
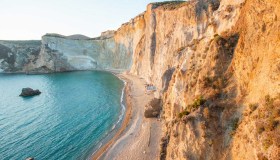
[
  {"x": 113, "y": 50},
  {"x": 108, "y": 52},
  {"x": 215, "y": 64}
]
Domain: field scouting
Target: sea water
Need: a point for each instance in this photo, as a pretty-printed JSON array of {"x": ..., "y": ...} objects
[{"x": 70, "y": 120}]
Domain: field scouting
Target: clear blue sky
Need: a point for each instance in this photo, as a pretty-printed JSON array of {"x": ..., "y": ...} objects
[{"x": 30, "y": 19}]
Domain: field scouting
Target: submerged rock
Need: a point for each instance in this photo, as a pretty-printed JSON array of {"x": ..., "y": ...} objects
[
  {"x": 152, "y": 109},
  {"x": 27, "y": 92},
  {"x": 30, "y": 158}
]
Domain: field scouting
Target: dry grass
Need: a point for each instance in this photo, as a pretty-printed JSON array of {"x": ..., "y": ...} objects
[
  {"x": 261, "y": 157},
  {"x": 192, "y": 107},
  {"x": 260, "y": 127},
  {"x": 267, "y": 124},
  {"x": 267, "y": 143},
  {"x": 253, "y": 107},
  {"x": 168, "y": 5},
  {"x": 206, "y": 113}
]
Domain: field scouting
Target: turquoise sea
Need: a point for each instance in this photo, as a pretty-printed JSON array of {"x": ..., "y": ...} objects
[{"x": 74, "y": 115}]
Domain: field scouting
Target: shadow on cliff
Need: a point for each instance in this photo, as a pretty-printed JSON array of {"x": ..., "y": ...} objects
[
  {"x": 204, "y": 8},
  {"x": 222, "y": 105},
  {"x": 215, "y": 120}
]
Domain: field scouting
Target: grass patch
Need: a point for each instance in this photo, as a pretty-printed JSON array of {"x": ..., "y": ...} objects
[
  {"x": 267, "y": 143},
  {"x": 260, "y": 128},
  {"x": 214, "y": 82},
  {"x": 269, "y": 101},
  {"x": 183, "y": 113},
  {"x": 234, "y": 124},
  {"x": 192, "y": 107},
  {"x": 217, "y": 37},
  {"x": 253, "y": 107},
  {"x": 197, "y": 102},
  {"x": 170, "y": 5},
  {"x": 271, "y": 124}
]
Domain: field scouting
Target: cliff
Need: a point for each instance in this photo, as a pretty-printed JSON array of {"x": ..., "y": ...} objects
[
  {"x": 111, "y": 51},
  {"x": 15, "y": 55},
  {"x": 216, "y": 68},
  {"x": 215, "y": 64}
]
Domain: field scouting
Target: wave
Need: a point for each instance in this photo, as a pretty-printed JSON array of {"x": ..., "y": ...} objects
[{"x": 107, "y": 136}]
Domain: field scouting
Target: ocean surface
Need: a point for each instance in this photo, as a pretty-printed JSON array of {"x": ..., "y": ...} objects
[{"x": 74, "y": 115}]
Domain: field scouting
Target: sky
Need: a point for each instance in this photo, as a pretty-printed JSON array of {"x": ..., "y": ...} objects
[{"x": 31, "y": 19}]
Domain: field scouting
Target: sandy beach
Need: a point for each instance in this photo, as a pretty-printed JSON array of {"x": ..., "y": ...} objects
[{"x": 138, "y": 137}]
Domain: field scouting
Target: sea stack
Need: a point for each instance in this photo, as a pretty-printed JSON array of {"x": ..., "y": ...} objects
[{"x": 28, "y": 92}]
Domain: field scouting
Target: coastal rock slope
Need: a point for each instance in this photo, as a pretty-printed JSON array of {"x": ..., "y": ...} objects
[
  {"x": 113, "y": 50},
  {"x": 216, "y": 66},
  {"x": 16, "y": 55},
  {"x": 60, "y": 53}
]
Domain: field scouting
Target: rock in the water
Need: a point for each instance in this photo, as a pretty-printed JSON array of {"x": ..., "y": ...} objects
[
  {"x": 152, "y": 109},
  {"x": 30, "y": 158},
  {"x": 26, "y": 92}
]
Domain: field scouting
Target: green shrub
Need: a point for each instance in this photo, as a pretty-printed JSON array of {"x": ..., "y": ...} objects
[
  {"x": 197, "y": 102},
  {"x": 267, "y": 143},
  {"x": 253, "y": 107},
  {"x": 234, "y": 124},
  {"x": 217, "y": 37},
  {"x": 271, "y": 124},
  {"x": 269, "y": 101},
  {"x": 260, "y": 128},
  {"x": 171, "y": 5},
  {"x": 208, "y": 81},
  {"x": 183, "y": 113}
]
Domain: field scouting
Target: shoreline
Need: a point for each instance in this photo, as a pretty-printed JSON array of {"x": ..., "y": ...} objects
[
  {"x": 138, "y": 136},
  {"x": 126, "y": 119},
  {"x": 125, "y": 102},
  {"x": 115, "y": 72}
]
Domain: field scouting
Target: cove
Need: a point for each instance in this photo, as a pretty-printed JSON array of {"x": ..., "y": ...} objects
[{"x": 74, "y": 115}]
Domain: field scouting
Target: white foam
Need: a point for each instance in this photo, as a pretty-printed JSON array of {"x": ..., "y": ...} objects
[
  {"x": 119, "y": 119},
  {"x": 122, "y": 102}
]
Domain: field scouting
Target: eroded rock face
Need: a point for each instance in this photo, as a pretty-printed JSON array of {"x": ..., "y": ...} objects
[
  {"x": 113, "y": 50},
  {"x": 227, "y": 52},
  {"x": 153, "y": 108},
  {"x": 16, "y": 55}
]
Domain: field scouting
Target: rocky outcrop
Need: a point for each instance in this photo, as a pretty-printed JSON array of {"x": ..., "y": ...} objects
[
  {"x": 16, "y": 55},
  {"x": 153, "y": 108},
  {"x": 60, "y": 53},
  {"x": 113, "y": 50},
  {"x": 28, "y": 92}
]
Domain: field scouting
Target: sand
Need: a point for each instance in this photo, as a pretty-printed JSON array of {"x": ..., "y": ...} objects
[{"x": 138, "y": 137}]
